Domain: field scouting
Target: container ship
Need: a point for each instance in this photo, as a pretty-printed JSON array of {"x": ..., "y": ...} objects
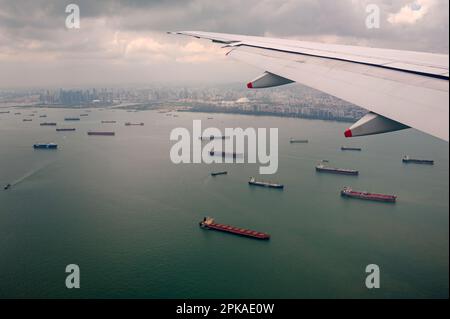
[
  {"x": 134, "y": 124},
  {"x": 65, "y": 129},
  {"x": 356, "y": 149},
  {"x": 219, "y": 173},
  {"x": 102, "y": 133},
  {"x": 343, "y": 171},
  {"x": 210, "y": 224},
  {"x": 408, "y": 160},
  {"x": 295, "y": 141},
  {"x": 50, "y": 146},
  {"x": 349, "y": 192},
  {"x": 48, "y": 124},
  {"x": 72, "y": 119},
  {"x": 254, "y": 182}
]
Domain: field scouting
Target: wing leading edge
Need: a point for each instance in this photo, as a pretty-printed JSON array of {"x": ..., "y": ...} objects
[{"x": 403, "y": 87}]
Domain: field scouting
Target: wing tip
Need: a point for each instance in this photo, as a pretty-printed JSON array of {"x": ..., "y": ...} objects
[{"x": 348, "y": 133}]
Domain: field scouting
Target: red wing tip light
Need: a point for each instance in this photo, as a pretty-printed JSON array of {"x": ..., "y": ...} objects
[
  {"x": 348, "y": 133},
  {"x": 250, "y": 85}
]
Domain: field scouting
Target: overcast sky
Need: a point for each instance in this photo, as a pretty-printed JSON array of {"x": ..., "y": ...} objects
[{"x": 124, "y": 41}]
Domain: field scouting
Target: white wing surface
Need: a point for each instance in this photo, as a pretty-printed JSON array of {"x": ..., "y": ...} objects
[{"x": 400, "y": 88}]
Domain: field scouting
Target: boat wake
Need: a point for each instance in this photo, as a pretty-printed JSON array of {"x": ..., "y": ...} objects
[{"x": 31, "y": 173}]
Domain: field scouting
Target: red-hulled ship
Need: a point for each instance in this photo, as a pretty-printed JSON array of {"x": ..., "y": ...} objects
[
  {"x": 209, "y": 223},
  {"x": 349, "y": 192}
]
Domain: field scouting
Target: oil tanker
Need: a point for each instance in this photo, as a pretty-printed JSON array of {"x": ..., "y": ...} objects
[
  {"x": 254, "y": 182},
  {"x": 210, "y": 224},
  {"x": 295, "y": 141},
  {"x": 50, "y": 146},
  {"x": 345, "y": 148},
  {"x": 219, "y": 173},
  {"x": 65, "y": 129},
  {"x": 342, "y": 171},
  {"x": 408, "y": 160},
  {"x": 349, "y": 192},
  {"x": 101, "y": 133}
]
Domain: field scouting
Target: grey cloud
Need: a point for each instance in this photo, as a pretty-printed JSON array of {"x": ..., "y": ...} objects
[
  {"x": 28, "y": 27},
  {"x": 343, "y": 18}
]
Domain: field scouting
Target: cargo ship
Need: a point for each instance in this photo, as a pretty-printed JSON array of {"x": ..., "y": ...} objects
[
  {"x": 65, "y": 129},
  {"x": 343, "y": 171},
  {"x": 212, "y": 138},
  {"x": 356, "y": 149},
  {"x": 48, "y": 124},
  {"x": 223, "y": 154},
  {"x": 109, "y": 122},
  {"x": 134, "y": 124},
  {"x": 295, "y": 141},
  {"x": 42, "y": 116},
  {"x": 210, "y": 224},
  {"x": 254, "y": 182},
  {"x": 27, "y": 120},
  {"x": 50, "y": 146},
  {"x": 84, "y": 114},
  {"x": 408, "y": 160},
  {"x": 102, "y": 133},
  {"x": 4, "y": 112},
  {"x": 219, "y": 173},
  {"x": 72, "y": 119},
  {"x": 349, "y": 192}
]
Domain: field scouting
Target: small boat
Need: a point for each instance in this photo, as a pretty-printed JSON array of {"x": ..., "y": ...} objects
[{"x": 7, "y": 186}]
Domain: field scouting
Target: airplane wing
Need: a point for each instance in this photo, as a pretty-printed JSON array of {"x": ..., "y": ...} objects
[{"x": 401, "y": 89}]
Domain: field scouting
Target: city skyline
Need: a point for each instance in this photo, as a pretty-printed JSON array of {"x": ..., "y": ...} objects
[{"x": 290, "y": 101}]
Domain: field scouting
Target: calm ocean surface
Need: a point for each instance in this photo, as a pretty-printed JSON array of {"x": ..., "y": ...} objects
[{"x": 120, "y": 209}]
